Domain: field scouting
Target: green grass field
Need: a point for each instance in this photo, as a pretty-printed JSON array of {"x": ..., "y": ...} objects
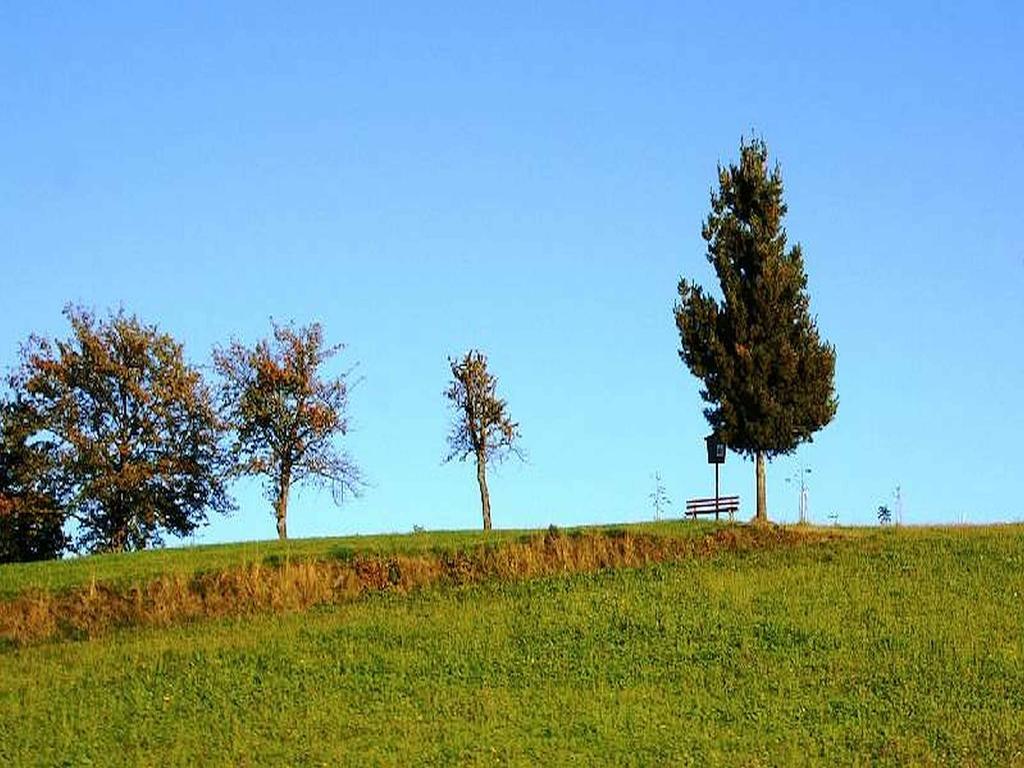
[{"x": 884, "y": 647}]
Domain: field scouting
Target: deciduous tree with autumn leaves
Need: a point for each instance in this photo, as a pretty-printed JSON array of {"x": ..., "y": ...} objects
[
  {"x": 286, "y": 415},
  {"x": 126, "y": 428},
  {"x": 32, "y": 514},
  {"x": 481, "y": 425}
]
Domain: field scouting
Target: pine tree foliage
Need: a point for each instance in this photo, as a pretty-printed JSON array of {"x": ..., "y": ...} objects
[
  {"x": 131, "y": 428},
  {"x": 286, "y": 415},
  {"x": 767, "y": 376}
]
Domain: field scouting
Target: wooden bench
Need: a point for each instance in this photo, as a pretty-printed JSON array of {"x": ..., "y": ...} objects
[{"x": 730, "y": 504}]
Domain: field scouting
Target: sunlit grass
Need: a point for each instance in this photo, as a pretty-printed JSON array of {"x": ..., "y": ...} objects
[
  {"x": 881, "y": 648},
  {"x": 286, "y": 581},
  {"x": 140, "y": 566}
]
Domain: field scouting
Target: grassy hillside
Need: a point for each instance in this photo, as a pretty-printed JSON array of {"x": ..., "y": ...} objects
[
  {"x": 880, "y": 647},
  {"x": 138, "y": 567}
]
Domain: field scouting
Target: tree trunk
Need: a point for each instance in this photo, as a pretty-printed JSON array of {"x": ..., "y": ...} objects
[
  {"x": 762, "y": 501},
  {"x": 281, "y": 508},
  {"x": 485, "y": 498},
  {"x": 117, "y": 541},
  {"x": 284, "y": 484},
  {"x": 119, "y": 538}
]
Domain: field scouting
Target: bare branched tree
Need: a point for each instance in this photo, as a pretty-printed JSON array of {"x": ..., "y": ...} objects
[
  {"x": 481, "y": 426},
  {"x": 285, "y": 416}
]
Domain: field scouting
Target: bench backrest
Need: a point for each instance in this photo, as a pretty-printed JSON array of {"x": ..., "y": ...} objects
[{"x": 723, "y": 501}]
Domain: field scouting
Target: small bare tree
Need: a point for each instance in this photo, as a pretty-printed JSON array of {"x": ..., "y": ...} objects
[
  {"x": 481, "y": 426},
  {"x": 286, "y": 416},
  {"x": 660, "y": 501}
]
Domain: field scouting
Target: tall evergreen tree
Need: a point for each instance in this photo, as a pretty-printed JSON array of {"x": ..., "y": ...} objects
[{"x": 767, "y": 376}]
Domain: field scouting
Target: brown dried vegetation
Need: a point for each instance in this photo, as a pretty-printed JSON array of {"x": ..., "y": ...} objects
[{"x": 293, "y": 586}]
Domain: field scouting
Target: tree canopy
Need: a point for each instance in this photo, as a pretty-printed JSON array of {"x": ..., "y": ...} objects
[
  {"x": 31, "y": 514},
  {"x": 286, "y": 415},
  {"x": 767, "y": 376},
  {"x": 131, "y": 429}
]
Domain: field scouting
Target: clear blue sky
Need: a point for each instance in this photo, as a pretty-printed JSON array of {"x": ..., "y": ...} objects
[{"x": 531, "y": 180}]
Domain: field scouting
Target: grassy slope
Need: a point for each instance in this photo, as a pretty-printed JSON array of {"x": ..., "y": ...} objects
[
  {"x": 138, "y": 567},
  {"x": 892, "y": 648}
]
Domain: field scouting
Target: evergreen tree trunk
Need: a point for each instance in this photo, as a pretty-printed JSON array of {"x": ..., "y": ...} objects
[
  {"x": 485, "y": 498},
  {"x": 762, "y": 501}
]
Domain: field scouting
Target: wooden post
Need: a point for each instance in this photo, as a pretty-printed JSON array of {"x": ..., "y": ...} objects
[{"x": 716, "y": 491}]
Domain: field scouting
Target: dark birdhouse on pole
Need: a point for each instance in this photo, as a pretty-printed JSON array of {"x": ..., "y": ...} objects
[{"x": 716, "y": 450}]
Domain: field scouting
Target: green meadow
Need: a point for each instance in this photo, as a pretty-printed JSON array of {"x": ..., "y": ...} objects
[{"x": 888, "y": 647}]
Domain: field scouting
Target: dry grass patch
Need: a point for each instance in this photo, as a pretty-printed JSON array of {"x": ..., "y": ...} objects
[{"x": 287, "y": 586}]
